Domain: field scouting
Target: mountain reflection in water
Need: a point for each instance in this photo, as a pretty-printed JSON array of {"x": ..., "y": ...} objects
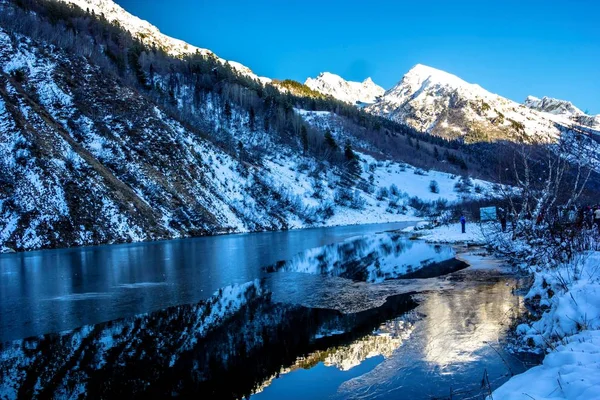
[
  {"x": 375, "y": 258},
  {"x": 224, "y": 347},
  {"x": 295, "y": 335}
]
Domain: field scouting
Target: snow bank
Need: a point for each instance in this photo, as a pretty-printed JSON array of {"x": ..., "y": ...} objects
[
  {"x": 572, "y": 295},
  {"x": 569, "y": 329},
  {"x": 452, "y": 234},
  {"x": 571, "y": 371}
]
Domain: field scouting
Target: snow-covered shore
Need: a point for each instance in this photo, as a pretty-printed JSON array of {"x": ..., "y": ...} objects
[
  {"x": 569, "y": 371},
  {"x": 567, "y": 296},
  {"x": 451, "y": 234},
  {"x": 568, "y": 331}
]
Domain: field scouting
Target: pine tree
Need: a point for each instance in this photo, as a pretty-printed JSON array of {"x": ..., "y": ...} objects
[
  {"x": 330, "y": 141},
  {"x": 240, "y": 149},
  {"x": 151, "y": 75},
  {"x": 227, "y": 111},
  {"x": 251, "y": 119},
  {"x": 304, "y": 138},
  {"x": 352, "y": 159},
  {"x": 348, "y": 152}
]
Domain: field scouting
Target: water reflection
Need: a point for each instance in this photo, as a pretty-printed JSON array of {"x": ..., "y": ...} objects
[
  {"x": 376, "y": 346},
  {"x": 240, "y": 342},
  {"x": 134, "y": 278},
  {"x": 375, "y": 258},
  {"x": 458, "y": 326},
  {"x": 459, "y": 338},
  {"x": 224, "y": 347},
  {"x": 383, "y": 341}
]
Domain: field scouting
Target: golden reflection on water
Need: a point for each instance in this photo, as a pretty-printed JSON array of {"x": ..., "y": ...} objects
[
  {"x": 460, "y": 322},
  {"x": 383, "y": 341}
]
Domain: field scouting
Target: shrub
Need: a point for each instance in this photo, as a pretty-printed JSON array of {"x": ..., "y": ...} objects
[
  {"x": 326, "y": 211},
  {"x": 365, "y": 186},
  {"x": 382, "y": 193},
  {"x": 19, "y": 74},
  {"x": 428, "y": 209},
  {"x": 434, "y": 187},
  {"x": 349, "y": 198},
  {"x": 464, "y": 185}
]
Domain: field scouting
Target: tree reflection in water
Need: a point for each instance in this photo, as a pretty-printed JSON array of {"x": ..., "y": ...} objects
[{"x": 224, "y": 347}]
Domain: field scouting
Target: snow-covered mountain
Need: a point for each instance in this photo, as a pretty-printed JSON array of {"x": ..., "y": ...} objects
[
  {"x": 437, "y": 102},
  {"x": 440, "y": 103},
  {"x": 150, "y": 35},
  {"x": 552, "y": 106},
  {"x": 84, "y": 161},
  {"x": 347, "y": 91},
  {"x": 564, "y": 110},
  {"x": 104, "y": 142}
]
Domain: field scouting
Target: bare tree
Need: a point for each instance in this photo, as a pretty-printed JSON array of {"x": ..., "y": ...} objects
[{"x": 541, "y": 179}]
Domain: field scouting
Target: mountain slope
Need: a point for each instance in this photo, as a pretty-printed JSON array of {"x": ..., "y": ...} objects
[
  {"x": 104, "y": 139},
  {"x": 346, "y": 91},
  {"x": 440, "y": 103},
  {"x": 87, "y": 157}
]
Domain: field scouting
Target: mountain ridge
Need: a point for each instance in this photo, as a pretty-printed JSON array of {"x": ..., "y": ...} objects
[
  {"x": 437, "y": 102},
  {"x": 564, "y": 111},
  {"x": 347, "y": 91},
  {"x": 442, "y": 104},
  {"x": 151, "y": 35},
  {"x": 367, "y": 94}
]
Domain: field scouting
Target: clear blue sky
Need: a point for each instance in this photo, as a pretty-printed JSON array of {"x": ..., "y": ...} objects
[{"x": 513, "y": 48}]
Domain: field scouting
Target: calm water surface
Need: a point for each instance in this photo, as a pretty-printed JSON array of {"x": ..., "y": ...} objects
[{"x": 56, "y": 290}]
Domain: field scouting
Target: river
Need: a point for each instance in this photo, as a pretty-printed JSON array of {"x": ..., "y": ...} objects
[{"x": 342, "y": 312}]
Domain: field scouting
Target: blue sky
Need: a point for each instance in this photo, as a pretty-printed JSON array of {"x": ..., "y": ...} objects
[{"x": 513, "y": 48}]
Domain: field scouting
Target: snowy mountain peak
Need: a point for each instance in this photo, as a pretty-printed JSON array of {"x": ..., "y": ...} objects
[
  {"x": 443, "y": 104},
  {"x": 424, "y": 75},
  {"x": 425, "y": 71},
  {"x": 552, "y": 106},
  {"x": 150, "y": 34},
  {"x": 347, "y": 91}
]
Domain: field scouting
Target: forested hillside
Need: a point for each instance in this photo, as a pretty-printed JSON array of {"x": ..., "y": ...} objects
[
  {"x": 105, "y": 139},
  {"x": 107, "y": 136}
]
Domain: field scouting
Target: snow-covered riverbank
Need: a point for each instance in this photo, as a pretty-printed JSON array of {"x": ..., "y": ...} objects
[
  {"x": 452, "y": 234},
  {"x": 569, "y": 332}
]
